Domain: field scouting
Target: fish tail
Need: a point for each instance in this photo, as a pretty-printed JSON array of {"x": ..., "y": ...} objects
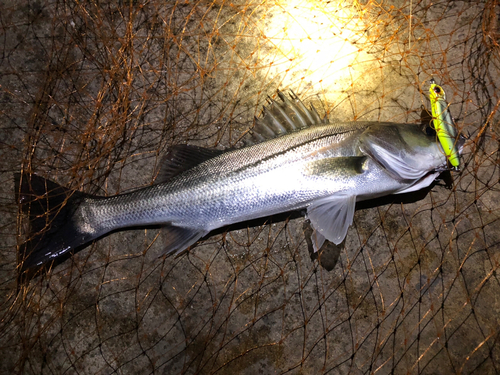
[{"x": 53, "y": 233}]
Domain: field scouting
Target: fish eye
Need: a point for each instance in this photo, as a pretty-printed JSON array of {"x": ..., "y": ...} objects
[{"x": 429, "y": 130}]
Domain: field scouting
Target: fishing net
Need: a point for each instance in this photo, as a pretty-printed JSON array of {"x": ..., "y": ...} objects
[{"x": 94, "y": 93}]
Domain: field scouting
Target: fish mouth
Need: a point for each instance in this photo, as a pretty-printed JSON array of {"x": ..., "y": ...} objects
[
  {"x": 442, "y": 168},
  {"x": 461, "y": 142}
]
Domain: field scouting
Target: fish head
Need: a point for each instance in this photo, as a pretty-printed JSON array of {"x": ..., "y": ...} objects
[{"x": 404, "y": 150}]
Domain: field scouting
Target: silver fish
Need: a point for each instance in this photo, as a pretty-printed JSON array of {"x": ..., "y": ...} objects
[{"x": 301, "y": 162}]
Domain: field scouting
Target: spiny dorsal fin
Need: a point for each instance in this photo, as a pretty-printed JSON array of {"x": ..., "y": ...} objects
[
  {"x": 180, "y": 158},
  {"x": 281, "y": 117}
]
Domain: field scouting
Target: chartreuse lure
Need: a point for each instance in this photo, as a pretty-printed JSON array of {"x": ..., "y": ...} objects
[{"x": 443, "y": 124}]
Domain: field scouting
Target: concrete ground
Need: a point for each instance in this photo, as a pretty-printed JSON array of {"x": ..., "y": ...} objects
[{"x": 93, "y": 94}]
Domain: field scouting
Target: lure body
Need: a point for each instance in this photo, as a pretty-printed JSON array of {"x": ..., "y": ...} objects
[{"x": 443, "y": 124}]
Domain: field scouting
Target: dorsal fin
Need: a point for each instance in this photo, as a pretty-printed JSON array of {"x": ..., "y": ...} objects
[
  {"x": 180, "y": 158},
  {"x": 283, "y": 116}
]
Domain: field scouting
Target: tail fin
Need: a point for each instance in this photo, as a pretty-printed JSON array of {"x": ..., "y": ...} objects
[{"x": 53, "y": 233}]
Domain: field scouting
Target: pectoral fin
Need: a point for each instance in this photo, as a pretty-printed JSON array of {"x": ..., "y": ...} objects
[
  {"x": 331, "y": 218},
  {"x": 338, "y": 167}
]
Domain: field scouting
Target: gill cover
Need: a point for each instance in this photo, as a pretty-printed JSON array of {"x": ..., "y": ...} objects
[{"x": 403, "y": 150}]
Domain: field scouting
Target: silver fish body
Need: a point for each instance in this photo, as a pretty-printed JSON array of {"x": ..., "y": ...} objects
[
  {"x": 283, "y": 174},
  {"x": 268, "y": 178},
  {"x": 322, "y": 168}
]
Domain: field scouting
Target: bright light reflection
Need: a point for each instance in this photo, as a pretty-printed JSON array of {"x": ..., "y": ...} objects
[{"x": 313, "y": 44}]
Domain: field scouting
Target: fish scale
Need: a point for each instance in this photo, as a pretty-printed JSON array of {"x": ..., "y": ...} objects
[{"x": 187, "y": 193}]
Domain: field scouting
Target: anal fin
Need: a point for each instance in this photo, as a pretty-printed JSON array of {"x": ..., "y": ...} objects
[{"x": 178, "y": 239}]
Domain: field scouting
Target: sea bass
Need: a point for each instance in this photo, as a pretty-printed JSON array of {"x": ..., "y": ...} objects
[{"x": 300, "y": 162}]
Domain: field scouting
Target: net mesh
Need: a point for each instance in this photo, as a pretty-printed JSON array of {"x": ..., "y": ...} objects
[{"x": 93, "y": 94}]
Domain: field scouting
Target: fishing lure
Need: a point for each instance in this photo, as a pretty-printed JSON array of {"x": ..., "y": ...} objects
[{"x": 443, "y": 124}]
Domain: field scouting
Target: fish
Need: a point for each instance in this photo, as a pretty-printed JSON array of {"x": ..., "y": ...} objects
[
  {"x": 293, "y": 160},
  {"x": 443, "y": 124}
]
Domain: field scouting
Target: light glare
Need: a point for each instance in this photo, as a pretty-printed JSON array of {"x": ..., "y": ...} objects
[{"x": 315, "y": 44}]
